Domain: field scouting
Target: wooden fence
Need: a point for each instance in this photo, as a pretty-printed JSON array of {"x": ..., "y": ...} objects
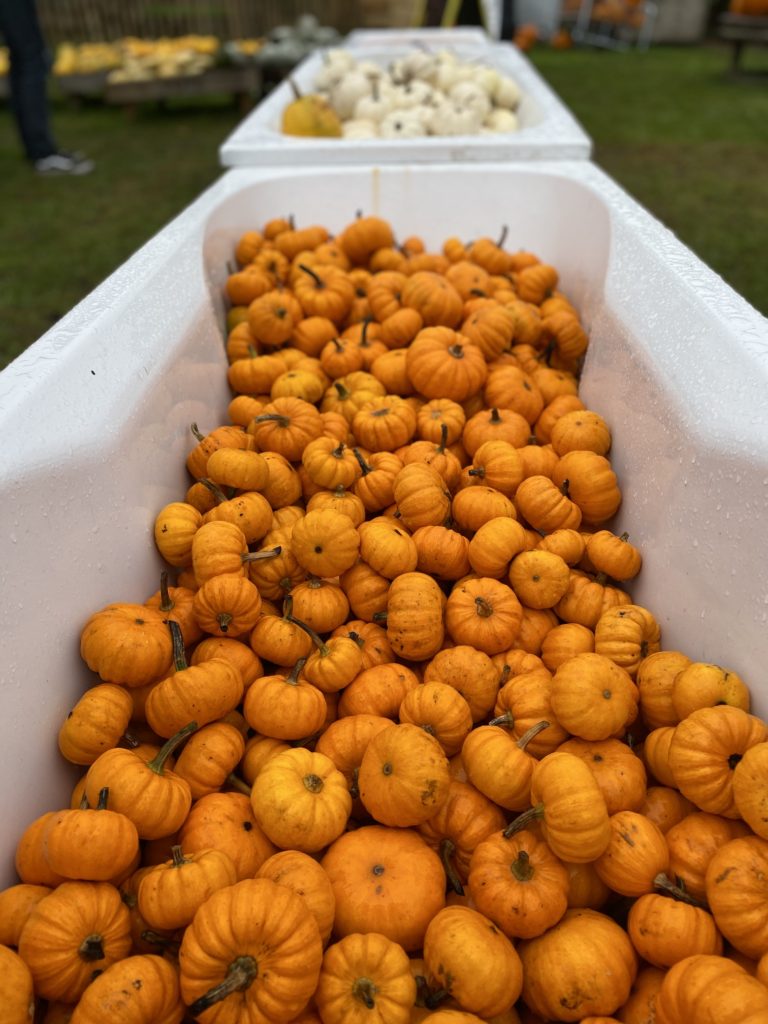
[{"x": 82, "y": 21}]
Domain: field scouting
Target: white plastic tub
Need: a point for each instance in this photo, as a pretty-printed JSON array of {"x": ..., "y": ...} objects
[
  {"x": 405, "y": 37},
  {"x": 547, "y": 130},
  {"x": 95, "y": 420}
]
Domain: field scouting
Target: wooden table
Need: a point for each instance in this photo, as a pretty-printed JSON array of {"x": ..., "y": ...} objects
[
  {"x": 741, "y": 30},
  {"x": 244, "y": 83}
]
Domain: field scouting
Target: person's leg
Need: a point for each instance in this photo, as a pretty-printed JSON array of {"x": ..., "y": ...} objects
[{"x": 28, "y": 74}]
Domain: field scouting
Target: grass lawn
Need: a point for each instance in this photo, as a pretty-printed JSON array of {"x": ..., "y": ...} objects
[{"x": 687, "y": 141}]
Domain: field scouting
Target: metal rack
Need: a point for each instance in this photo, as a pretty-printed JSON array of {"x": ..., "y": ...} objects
[{"x": 631, "y": 26}]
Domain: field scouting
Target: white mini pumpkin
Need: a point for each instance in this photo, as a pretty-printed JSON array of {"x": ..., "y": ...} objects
[
  {"x": 359, "y": 128},
  {"x": 345, "y": 94},
  {"x": 402, "y": 124},
  {"x": 501, "y": 120},
  {"x": 507, "y": 93},
  {"x": 470, "y": 95},
  {"x": 449, "y": 119}
]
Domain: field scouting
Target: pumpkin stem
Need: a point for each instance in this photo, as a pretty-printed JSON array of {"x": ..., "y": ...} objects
[
  {"x": 526, "y": 738},
  {"x": 315, "y": 277},
  {"x": 273, "y": 417},
  {"x": 83, "y": 805},
  {"x": 478, "y": 292},
  {"x": 440, "y": 450},
  {"x": 364, "y": 332},
  {"x": 480, "y": 471},
  {"x": 224, "y": 619},
  {"x": 364, "y": 990},
  {"x": 157, "y": 764},
  {"x": 363, "y": 464},
  {"x": 354, "y": 789},
  {"x": 91, "y": 948},
  {"x": 198, "y": 436},
  {"x": 338, "y": 453},
  {"x": 356, "y": 637},
  {"x": 624, "y": 536},
  {"x": 215, "y": 490},
  {"x": 600, "y": 577},
  {"x": 341, "y": 391},
  {"x": 257, "y": 556},
  {"x": 241, "y": 974},
  {"x": 313, "y": 783},
  {"x": 103, "y": 799},
  {"x": 253, "y": 352},
  {"x": 495, "y": 418},
  {"x": 506, "y": 721},
  {"x": 457, "y": 351},
  {"x": 317, "y": 640},
  {"x": 677, "y": 890},
  {"x": 178, "y": 857},
  {"x": 433, "y": 999},
  {"x": 380, "y": 616},
  {"x": 294, "y": 88},
  {"x": 156, "y": 939},
  {"x": 503, "y": 235},
  {"x": 166, "y": 604},
  {"x": 129, "y": 740},
  {"x": 179, "y": 654},
  {"x": 521, "y": 867},
  {"x": 238, "y": 784},
  {"x": 483, "y": 608},
  {"x": 565, "y": 488},
  {"x": 523, "y": 820},
  {"x": 506, "y": 672},
  {"x": 293, "y": 678},
  {"x": 447, "y": 850}
]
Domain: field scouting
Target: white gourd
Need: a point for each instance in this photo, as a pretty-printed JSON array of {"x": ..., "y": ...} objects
[
  {"x": 376, "y": 106},
  {"x": 448, "y": 119},
  {"x": 487, "y": 78},
  {"x": 507, "y": 93},
  {"x": 345, "y": 94},
  {"x": 413, "y": 94},
  {"x": 401, "y": 124},
  {"x": 501, "y": 120},
  {"x": 469, "y": 94},
  {"x": 359, "y": 128}
]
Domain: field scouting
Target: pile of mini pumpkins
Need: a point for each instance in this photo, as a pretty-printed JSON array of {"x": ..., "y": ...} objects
[{"x": 396, "y": 745}]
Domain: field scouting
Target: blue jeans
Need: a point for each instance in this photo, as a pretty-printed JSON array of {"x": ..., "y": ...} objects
[{"x": 28, "y": 76}]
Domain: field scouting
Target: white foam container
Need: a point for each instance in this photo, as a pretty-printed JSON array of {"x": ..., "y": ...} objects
[
  {"x": 95, "y": 420},
  {"x": 547, "y": 129},
  {"x": 407, "y": 37}
]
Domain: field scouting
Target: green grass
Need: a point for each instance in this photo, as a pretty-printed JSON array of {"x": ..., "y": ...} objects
[{"x": 670, "y": 125}]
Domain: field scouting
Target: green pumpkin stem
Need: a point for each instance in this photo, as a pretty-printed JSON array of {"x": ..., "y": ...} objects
[
  {"x": 677, "y": 890},
  {"x": 157, "y": 764},
  {"x": 237, "y": 784},
  {"x": 440, "y": 450},
  {"x": 483, "y": 608},
  {"x": 433, "y": 999},
  {"x": 178, "y": 857},
  {"x": 103, "y": 799},
  {"x": 527, "y": 736},
  {"x": 273, "y": 417},
  {"x": 524, "y": 820},
  {"x": 241, "y": 974},
  {"x": 91, "y": 948},
  {"x": 447, "y": 850},
  {"x": 214, "y": 488},
  {"x": 364, "y": 990},
  {"x": 505, "y": 721},
  {"x": 318, "y": 641},
  {"x": 521, "y": 867},
  {"x": 293, "y": 678},
  {"x": 503, "y": 235},
  {"x": 196, "y": 432},
  {"x": 156, "y": 939},
  {"x": 166, "y": 604},
  {"x": 495, "y": 418},
  {"x": 315, "y": 277},
  {"x": 179, "y": 653},
  {"x": 259, "y": 556}
]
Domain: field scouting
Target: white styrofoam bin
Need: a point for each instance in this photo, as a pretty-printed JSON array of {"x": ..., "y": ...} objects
[
  {"x": 95, "y": 419},
  {"x": 406, "y": 37},
  {"x": 547, "y": 130}
]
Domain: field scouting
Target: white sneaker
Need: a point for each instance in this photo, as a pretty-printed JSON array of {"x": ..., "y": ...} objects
[{"x": 63, "y": 163}]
